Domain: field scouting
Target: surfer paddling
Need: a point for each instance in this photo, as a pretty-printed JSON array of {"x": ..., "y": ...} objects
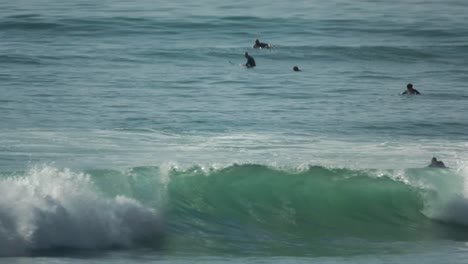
[
  {"x": 436, "y": 163},
  {"x": 260, "y": 45}
]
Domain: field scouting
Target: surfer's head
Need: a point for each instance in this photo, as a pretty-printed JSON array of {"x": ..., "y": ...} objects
[
  {"x": 295, "y": 68},
  {"x": 246, "y": 54},
  {"x": 257, "y": 42},
  {"x": 409, "y": 86}
]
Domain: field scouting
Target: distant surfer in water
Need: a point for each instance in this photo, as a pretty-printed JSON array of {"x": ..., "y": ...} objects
[
  {"x": 436, "y": 163},
  {"x": 410, "y": 90},
  {"x": 250, "y": 61},
  {"x": 260, "y": 45},
  {"x": 296, "y": 69}
]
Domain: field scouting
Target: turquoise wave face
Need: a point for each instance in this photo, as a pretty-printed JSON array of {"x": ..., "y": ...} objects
[
  {"x": 308, "y": 211},
  {"x": 245, "y": 209}
]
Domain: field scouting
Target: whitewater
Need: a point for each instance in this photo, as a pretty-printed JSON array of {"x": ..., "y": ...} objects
[
  {"x": 239, "y": 210},
  {"x": 129, "y": 132}
]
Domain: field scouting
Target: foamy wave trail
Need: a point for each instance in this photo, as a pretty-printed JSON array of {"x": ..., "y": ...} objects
[{"x": 46, "y": 209}]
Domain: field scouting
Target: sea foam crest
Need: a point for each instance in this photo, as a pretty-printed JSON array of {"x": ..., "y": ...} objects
[
  {"x": 446, "y": 199},
  {"x": 47, "y": 208},
  {"x": 455, "y": 209}
]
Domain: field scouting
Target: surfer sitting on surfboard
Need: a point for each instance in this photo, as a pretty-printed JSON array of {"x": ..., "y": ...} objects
[
  {"x": 261, "y": 45},
  {"x": 250, "y": 61},
  {"x": 410, "y": 90}
]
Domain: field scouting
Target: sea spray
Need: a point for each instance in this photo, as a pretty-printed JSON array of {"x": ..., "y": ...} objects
[
  {"x": 451, "y": 203},
  {"x": 46, "y": 209}
]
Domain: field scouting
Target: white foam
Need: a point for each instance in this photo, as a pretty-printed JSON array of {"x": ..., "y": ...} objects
[
  {"x": 48, "y": 208},
  {"x": 449, "y": 202},
  {"x": 456, "y": 209},
  {"x": 122, "y": 149}
]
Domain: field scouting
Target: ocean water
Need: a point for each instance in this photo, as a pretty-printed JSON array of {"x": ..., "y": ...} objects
[{"x": 130, "y": 132}]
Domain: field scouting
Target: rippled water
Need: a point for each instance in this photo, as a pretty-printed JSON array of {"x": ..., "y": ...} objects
[{"x": 113, "y": 86}]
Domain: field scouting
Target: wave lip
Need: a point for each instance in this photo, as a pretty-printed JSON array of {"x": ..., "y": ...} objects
[{"x": 49, "y": 209}]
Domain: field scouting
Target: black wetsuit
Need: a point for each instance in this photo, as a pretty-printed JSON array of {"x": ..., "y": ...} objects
[
  {"x": 250, "y": 62},
  {"x": 437, "y": 164},
  {"x": 261, "y": 45},
  {"x": 412, "y": 91}
]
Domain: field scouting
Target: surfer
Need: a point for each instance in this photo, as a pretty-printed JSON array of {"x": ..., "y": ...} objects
[
  {"x": 260, "y": 45},
  {"x": 410, "y": 90},
  {"x": 296, "y": 69},
  {"x": 250, "y": 61},
  {"x": 436, "y": 163}
]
